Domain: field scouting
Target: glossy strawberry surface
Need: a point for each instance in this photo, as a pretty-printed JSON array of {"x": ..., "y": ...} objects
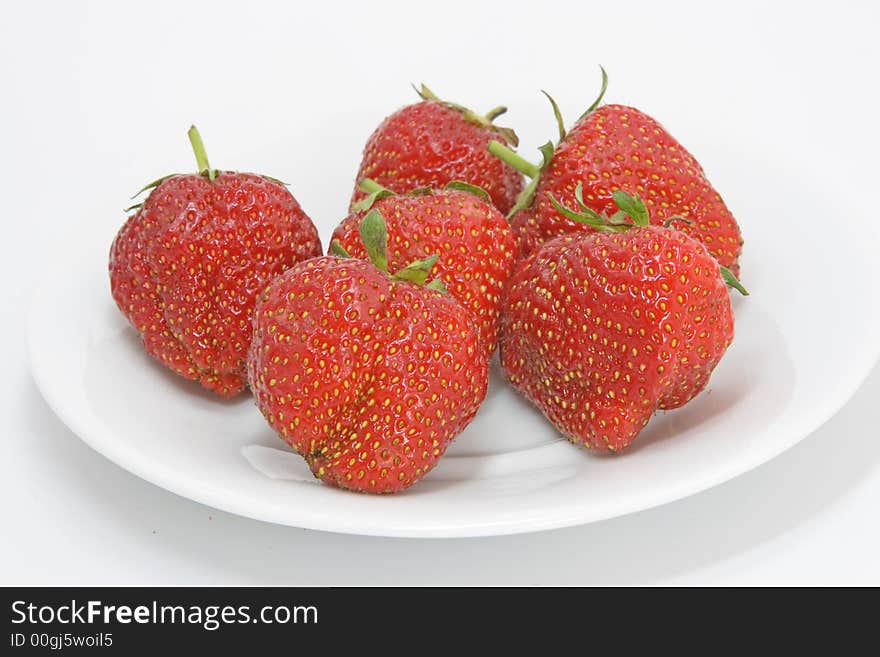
[
  {"x": 618, "y": 147},
  {"x": 429, "y": 144},
  {"x": 601, "y": 330},
  {"x": 187, "y": 266},
  {"x": 367, "y": 377},
  {"x": 473, "y": 240}
]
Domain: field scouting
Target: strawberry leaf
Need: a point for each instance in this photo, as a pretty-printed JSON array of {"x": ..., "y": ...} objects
[
  {"x": 633, "y": 206},
  {"x": 484, "y": 121},
  {"x": 375, "y": 191},
  {"x": 416, "y": 272},
  {"x": 732, "y": 281},
  {"x": 437, "y": 284},
  {"x": 155, "y": 183},
  {"x": 338, "y": 250},
  {"x": 588, "y": 217},
  {"x": 374, "y": 235},
  {"x": 461, "y": 186},
  {"x": 598, "y": 100},
  {"x": 560, "y": 124}
]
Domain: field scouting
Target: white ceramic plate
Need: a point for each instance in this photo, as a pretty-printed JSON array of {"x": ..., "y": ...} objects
[{"x": 805, "y": 340}]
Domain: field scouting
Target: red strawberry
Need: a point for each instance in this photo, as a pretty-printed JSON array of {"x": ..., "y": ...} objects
[
  {"x": 432, "y": 143},
  {"x": 616, "y": 147},
  {"x": 474, "y": 242},
  {"x": 186, "y": 268},
  {"x": 600, "y": 330},
  {"x": 368, "y": 376}
]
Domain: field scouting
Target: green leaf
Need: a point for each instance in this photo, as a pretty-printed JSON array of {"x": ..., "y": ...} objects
[
  {"x": 560, "y": 124},
  {"x": 155, "y": 183},
  {"x": 598, "y": 100},
  {"x": 437, "y": 284},
  {"x": 132, "y": 207},
  {"x": 420, "y": 191},
  {"x": 462, "y": 186},
  {"x": 619, "y": 218},
  {"x": 375, "y": 192},
  {"x": 508, "y": 134},
  {"x": 369, "y": 185},
  {"x": 336, "y": 249},
  {"x": 370, "y": 200},
  {"x": 633, "y": 206},
  {"x": 525, "y": 198},
  {"x": 579, "y": 195},
  {"x": 426, "y": 94},
  {"x": 374, "y": 235},
  {"x": 416, "y": 272},
  {"x": 547, "y": 151},
  {"x": 589, "y": 217},
  {"x": 732, "y": 281},
  {"x": 483, "y": 120}
]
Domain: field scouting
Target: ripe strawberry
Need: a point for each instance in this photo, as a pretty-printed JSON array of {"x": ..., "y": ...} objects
[
  {"x": 474, "y": 242},
  {"x": 617, "y": 147},
  {"x": 368, "y": 376},
  {"x": 186, "y": 268},
  {"x": 599, "y": 330},
  {"x": 432, "y": 143}
]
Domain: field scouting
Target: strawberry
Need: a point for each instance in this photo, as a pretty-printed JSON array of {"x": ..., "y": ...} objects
[
  {"x": 432, "y": 143},
  {"x": 474, "y": 242},
  {"x": 367, "y": 375},
  {"x": 616, "y": 147},
  {"x": 186, "y": 267},
  {"x": 601, "y": 329}
]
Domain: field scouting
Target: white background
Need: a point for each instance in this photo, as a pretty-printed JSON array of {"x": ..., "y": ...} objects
[{"x": 96, "y": 99}]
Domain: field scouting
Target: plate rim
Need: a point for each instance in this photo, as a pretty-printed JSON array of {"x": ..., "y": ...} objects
[{"x": 155, "y": 473}]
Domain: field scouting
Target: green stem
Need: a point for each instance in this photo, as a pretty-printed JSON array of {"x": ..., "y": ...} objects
[
  {"x": 519, "y": 163},
  {"x": 198, "y": 147}
]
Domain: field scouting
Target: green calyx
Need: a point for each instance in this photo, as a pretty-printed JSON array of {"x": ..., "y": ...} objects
[
  {"x": 632, "y": 213},
  {"x": 474, "y": 190},
  {"x": 336, "y": 249},
  {"x": 204, "y": 168},
  {"x": 376, "y": 192},
  {"x": 151, "y": 185},
  {"x": 417, "y": 271},
  {"x": 732, "y": 281},
  {"x": 601, "y": 95},
  {"x": 560, "y": 124},
  {"x": 534, "y": 171},
  {"x": 374, "y": 235},
  {"x": 482, "y": 120}
]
